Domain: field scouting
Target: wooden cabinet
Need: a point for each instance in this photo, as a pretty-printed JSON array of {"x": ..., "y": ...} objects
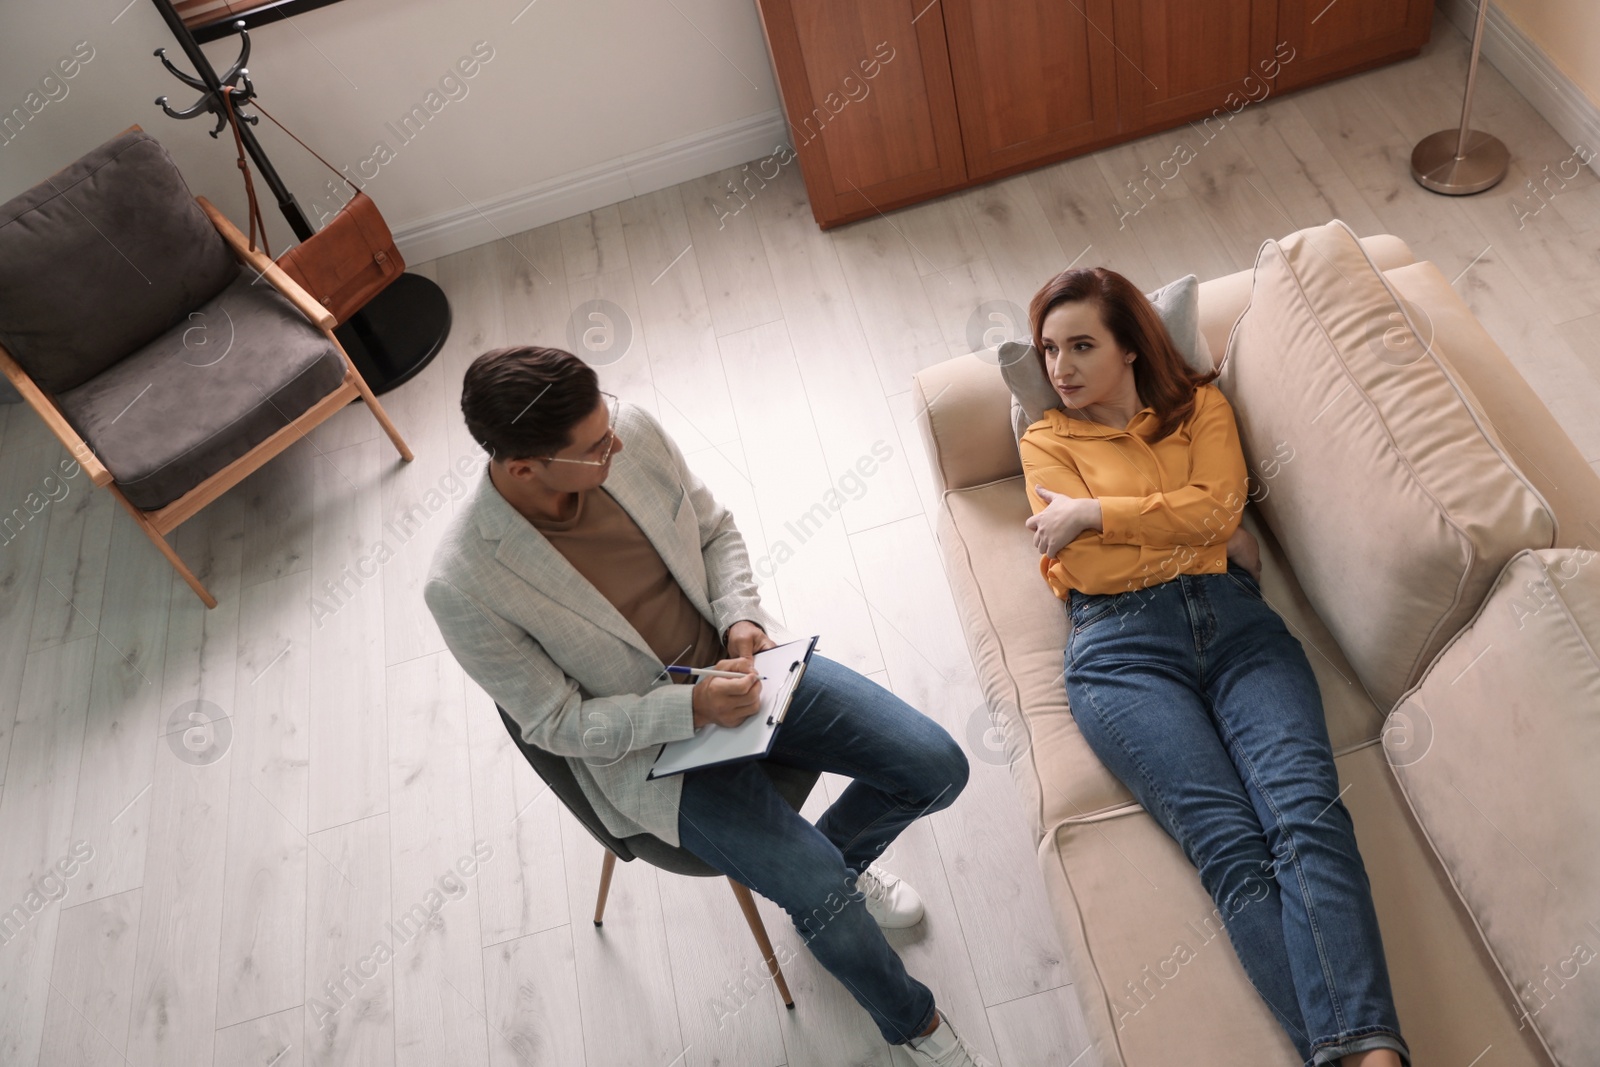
[
  {"x": 894, "y": 101},
  {"x": 1344, "y": 36},
  {"x": 867, "y": 95},
  {"x": 1034, "y": 79},
  {"x": 1181, "y": 58}
]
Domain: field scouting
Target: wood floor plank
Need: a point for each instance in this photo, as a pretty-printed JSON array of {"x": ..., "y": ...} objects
[
  {"x": 348, "y": 736},
  {"x": 418, "y": 500},
  {"x": 719, "y": 979},
  {"x": 270, "y": 1041},
  {"x": 438, "y": 976},
  {"x": 1046, "y": 1029},
  {"x": 174, "y": 993},
  {"x": 1079, "y": 205},
  {"x": 351, "y": 947},
  {"x": 806, "y": 556},
  {"x": 87, "y": 1021},
  {"x": 23, "y": 546},
  {"x": 1376, "y": 157},
  {"x": 262, "y": 954},
  {"x": 686, "y": 370},
  {"x": 173, "y": 1018},
  {"x": 534, "y": 277},
  {"x": 879, "y": 265},
  {"x": 971, "y": 310},
  {"x": 592, "y": 244},
  {"x": 129, "y": 703},
  {"x": 36, "y": 823},
  {"x": 623, "y": 962},
  {"x": 606, "y": 330},
  {"x": 78, "y": 539},
  {"x": 1020, "y": 240},
  {"x": 531, "y": 987},
  {"x": 474, "y": 282},
  {"x": 941, "y": 234},
  {"x": 733, "y": 262},
  {"x": 841, "y": 385},
  {"x": 515, "y": 814},
  {"x": 279, "y": 500}
]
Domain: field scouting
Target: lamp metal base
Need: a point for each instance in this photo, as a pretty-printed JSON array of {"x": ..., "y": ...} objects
[{"x": 1435, "y": 166}]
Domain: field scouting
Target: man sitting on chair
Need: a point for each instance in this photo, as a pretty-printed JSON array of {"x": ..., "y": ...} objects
[{"x": 591, "y": 557}]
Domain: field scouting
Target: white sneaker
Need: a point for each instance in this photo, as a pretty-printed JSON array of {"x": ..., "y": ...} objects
[
  {"x": 945, "y": 1048},
  {"x": 892, "y": 903}
]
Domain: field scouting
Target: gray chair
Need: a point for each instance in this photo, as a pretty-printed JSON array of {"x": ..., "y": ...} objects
[
  {"x": 794, "y": 785},
  {"x": 168, "y": 372}
]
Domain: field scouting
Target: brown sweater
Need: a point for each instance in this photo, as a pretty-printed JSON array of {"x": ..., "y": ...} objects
[{"x": 605, "y": 545}]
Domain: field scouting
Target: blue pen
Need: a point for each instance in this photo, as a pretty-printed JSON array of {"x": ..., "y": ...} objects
[{"x": 706, "y": 672}]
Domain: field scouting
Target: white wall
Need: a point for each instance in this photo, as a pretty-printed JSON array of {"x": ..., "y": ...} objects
[{"x": 583, "y": 103}]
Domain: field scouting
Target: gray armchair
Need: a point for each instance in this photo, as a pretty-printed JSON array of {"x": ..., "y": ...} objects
[{"x": 169, "y": 371}]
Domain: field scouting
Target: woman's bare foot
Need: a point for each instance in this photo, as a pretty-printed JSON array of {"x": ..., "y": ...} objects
[{"x": 1378, "y": 1057}]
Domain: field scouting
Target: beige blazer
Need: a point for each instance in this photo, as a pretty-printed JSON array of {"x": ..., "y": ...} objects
[{"x": 559, "y": 658}]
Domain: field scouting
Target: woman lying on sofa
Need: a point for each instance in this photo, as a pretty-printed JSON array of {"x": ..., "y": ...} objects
[{"x": 1182, "y": 678}]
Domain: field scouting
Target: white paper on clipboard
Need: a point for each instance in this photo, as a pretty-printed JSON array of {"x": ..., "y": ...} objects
[{"x": 781, "y": 669}]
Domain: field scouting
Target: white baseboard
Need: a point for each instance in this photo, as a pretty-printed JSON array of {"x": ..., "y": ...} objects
[
  {"x": 1531, "y": 72},
  {"x": 583, "y": 190}
]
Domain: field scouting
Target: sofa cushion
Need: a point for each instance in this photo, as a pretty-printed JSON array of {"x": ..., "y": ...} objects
[
  {"x": 100, "y": 258},
  {"x": 1498, "y": 752},
  {"x": 1531, "y": 435},
  {"x": 1152, "y": 975},
  {"x": 205, "y": 392},
  {"x": 1017, "y": 631},
  {"x": 1399, "y": 508}
]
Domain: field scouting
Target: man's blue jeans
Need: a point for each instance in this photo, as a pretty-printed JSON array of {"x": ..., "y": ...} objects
[
  {"x": 1194, "y": 693},
  {"x": 905, "y": 766}
]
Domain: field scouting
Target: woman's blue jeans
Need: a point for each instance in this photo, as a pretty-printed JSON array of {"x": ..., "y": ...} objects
[
  {"x": 905, "y": 766},
  {"x": 1194, "y": 693}
]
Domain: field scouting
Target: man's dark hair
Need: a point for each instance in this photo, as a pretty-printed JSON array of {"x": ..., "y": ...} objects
[{"x": 523, "y": 401}]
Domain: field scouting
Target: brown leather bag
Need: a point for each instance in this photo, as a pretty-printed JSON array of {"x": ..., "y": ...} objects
[{"x": 347, "y": 262}]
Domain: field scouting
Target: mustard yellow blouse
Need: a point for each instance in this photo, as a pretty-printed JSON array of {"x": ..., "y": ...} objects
[{"x": 1166, "y": 509}]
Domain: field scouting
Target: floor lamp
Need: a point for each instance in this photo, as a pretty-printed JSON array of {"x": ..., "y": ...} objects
[
  {"x": 399, "y": 330},
  {"x": 1461, "y": 161}
]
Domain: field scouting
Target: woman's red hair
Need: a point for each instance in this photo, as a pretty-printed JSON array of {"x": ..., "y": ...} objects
[{"x": 1164, "y": 381}]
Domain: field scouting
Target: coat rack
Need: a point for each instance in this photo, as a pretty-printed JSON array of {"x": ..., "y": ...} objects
[{"x": 402, "y": 328}]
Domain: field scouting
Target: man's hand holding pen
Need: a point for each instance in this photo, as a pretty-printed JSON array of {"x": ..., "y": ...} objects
[{"x": 727, "y": 701}]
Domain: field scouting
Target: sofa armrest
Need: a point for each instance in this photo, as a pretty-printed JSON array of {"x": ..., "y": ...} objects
[{"x": 964, "y": 412}]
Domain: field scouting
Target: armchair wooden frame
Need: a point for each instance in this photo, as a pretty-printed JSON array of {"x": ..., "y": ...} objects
[{"x": 162, "y": 521}]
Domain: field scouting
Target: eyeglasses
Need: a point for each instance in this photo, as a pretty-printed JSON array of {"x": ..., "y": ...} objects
[{"x": 608, "y": 443}]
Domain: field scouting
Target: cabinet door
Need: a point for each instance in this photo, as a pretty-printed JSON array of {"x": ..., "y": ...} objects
[
  {"x": 1035, "y": 79},
  {"x": 1178, "y": 59},
  {"x": 1336, "y": 37},
  {"x": 867, "y": 95}
]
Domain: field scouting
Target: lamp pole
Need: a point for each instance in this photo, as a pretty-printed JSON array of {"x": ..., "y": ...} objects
[{"x": 1461, "y": 161}]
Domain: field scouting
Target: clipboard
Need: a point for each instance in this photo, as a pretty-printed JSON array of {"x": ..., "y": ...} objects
[{"x": 781, "y": 669}]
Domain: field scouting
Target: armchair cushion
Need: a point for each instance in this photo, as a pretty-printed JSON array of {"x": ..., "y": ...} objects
[
  {"x": 99, "y": 259},
  {"x": 205, "y": 392}
]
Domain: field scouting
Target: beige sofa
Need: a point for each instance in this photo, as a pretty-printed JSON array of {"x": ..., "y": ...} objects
[{"x": 1462, "y": 694}]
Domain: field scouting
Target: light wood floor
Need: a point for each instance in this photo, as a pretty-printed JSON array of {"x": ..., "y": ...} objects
[{"x": 223, "y": 901}]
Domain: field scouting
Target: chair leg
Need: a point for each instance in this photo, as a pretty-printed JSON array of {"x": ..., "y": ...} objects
[
  {"x": 372, "y": 402},
  {"x": 160, "y": 542},
  {"x": 747, "y": 904},
  {"x": 606, "y": 867}
]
